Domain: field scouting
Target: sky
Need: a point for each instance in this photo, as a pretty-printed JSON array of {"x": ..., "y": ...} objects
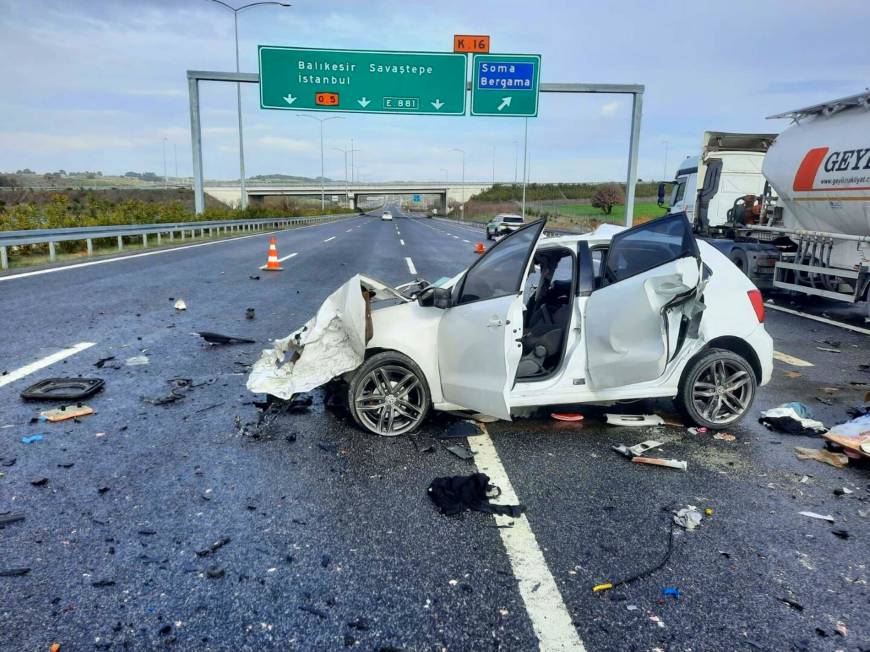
[{"x": 101, "y": 84}]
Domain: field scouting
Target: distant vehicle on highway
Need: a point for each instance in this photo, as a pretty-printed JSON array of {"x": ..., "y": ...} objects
[
  {"x": 386, "y": 215},
  {"x": 502, "y": 224},
  {"x": 663, "y": 316}
]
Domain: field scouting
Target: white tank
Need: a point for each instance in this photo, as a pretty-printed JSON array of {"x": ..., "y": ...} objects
[{"x": 820, "y": 167}]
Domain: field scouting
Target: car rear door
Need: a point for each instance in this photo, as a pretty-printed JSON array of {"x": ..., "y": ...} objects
[
  {"x": 650, "y": 271},
  {"x": 479, "y": 344}
]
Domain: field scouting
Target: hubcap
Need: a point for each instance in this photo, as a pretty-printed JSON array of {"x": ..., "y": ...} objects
[
  {"x": 390, "y": 400},
  {"x": 722, "y": 392}
]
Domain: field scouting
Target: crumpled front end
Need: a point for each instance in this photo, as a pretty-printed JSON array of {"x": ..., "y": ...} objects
[{"x": 331, "y": 343}]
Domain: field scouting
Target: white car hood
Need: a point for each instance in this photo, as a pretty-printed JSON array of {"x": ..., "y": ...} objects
[{"x": 328, "y": 345}]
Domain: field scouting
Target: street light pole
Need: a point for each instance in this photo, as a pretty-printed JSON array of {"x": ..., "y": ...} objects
[
  {"x": 462, "y": 205},
  {"x": 165, "y": 180},
  {"x": 516, "y": 159},
  {"x": 175, "y": 154},
  {"x": 493, "y": 165},
  {"x": 346, "y": 152},
  {"x": 525, "y": 163},
  {"x": 322, "y": 169},
  {"x": 243, "y": 193}
]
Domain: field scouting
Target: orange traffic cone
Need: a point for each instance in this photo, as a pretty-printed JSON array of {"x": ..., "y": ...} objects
[
  {"x": 479, "y": 248},
  {"x": 272, "y": 263}
]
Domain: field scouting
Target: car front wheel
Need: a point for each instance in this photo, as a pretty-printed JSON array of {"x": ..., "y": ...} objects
[
  {"x": 717, "y": 389},
  {"x": 388, "y": 395}
]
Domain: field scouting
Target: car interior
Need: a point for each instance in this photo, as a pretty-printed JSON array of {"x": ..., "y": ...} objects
[{"x": 548, "y": 295}]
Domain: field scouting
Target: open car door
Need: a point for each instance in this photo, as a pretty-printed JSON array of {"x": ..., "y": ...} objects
[
  {"x": 651, "y": 272},
  {"x": 479, "y": 337}
]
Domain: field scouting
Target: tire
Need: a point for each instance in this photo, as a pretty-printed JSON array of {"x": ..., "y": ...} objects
[
  {"x": 401, "y": 412},
  {"x": 703, "y": 395},
  {"x": 738, "y": 257}
]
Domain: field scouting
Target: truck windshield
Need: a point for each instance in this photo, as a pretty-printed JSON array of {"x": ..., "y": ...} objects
[{"x": 678, "y": 192}]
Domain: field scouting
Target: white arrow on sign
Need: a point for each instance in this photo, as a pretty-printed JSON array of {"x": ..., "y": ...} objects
[
  {"x": 363, "y": 102},
  {"x": 289, "y": 99},
  {"x": 437, "y": 104},
  {"x": 505, "y": 101}
]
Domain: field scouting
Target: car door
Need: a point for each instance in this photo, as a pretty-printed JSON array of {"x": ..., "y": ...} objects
[
  {"x": 479, "y": 336},
  {"x": 650, "y": 272}
]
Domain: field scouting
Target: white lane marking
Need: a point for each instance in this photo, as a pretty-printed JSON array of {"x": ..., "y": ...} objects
[
  {"x": 456, "y": 236},
  {"x": 411, "y": 267},
  {"x": 328, "y": 239},
  {"x": 468, "y": 241},
  {"x": 824, "y": 320},
  {"x": 547, "y": 611},
  {"x": 347, "y": 231},
  {"x": 287, "y": 257},
  {"x": 63, "y": 268},
  {"x": 790, "y": 359},
  {"x": 42, "y": 363},
  {"x": 402, "y": 241}
]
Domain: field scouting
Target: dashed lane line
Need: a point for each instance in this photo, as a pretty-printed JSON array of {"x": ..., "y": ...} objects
[
  {"x": 547, "y": 611},
  {"x": 790, "y": 359},
  {"x": 287, "y": 257},
  {"x": 328, "y": 239},
  {"x": 42, "y": 363},
  {"x": 411, "y": 267},
  {"x": 402, "y": 242},
  {"x": 104, "y": 261}
]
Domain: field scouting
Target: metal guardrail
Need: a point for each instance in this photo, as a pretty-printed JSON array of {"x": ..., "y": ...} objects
[{"x": 91, "y": 233}]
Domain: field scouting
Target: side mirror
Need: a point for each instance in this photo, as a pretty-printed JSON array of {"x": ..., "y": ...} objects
[
  {"x": 661, "y": 197},
  {"x": 435, "y": 297}
]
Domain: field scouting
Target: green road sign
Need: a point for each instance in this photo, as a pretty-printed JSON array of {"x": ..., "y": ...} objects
[
  {"x": 362, "y": 81},
  {"x": 505, "y": 84}
]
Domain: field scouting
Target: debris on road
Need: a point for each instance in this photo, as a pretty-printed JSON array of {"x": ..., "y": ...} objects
[
  {"x": 688, "y": 517},
  {"x": 634, "y": 420},
  {"x": 456, "y": 494},
  {"x": 66, "y": 412},
  {"x": 842, "y": 534},
  {"x": 637, "y": 449},
  {"x": 827, "y": 349},
  {"x": 137, "y": 360},
  {"x": 682, "y": 465},
  {"x": 180, "y": 305},
  {"x": 794, "y": 419},
  {"x": 39, "y": 482},
  {"x": 250, "y": 313},
  {"x": 794, "y": 604},
  {"x": 99, "y": 364},
  {"x": 461, "y": 429},
  {"x": 461, "y": 452},
  {"x": 606, "y": 586},
  {"x": 31, "y": 439},
  {"x": 697, "y": 431},
  {"x": 10, "y": 517},
  {"x": 793, "y": 374},
  {"x": 14, "y": 572},
  {"x": 843, "y": 491},
  {"x": 671, "y": 592},
  {"x": 724, "y": 436},
  {"x": 821, "y": 517},
  {"x": 565, "y": 416},
  {"x": 217, "y": 338},
  {"x": 177, "y": 393},
  {"x": 214, "y": 547},
  {"x": 63, "y": 389},
  {"x": 837, "y": 460},
  {"x": 853, "y": 436}
]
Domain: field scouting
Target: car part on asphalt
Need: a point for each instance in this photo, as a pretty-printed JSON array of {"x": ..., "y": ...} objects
[
  {"x": 137, "y": 361},
  {"x": 31, "y": 439},
  {"x": 794, "y": 419},
  {"x": 853, "y": 436},
  {"x": 99, "y": 364},
  {"x": 657, "y": 461},
  {"x": 177, "y": 393},
  {"x": 10, "y": 517},
  {"x": 388, "y": 395},
  {"x": 565, "y": 416},
  {"x": 637, "y": 449},
  {"x": 250, "y": 313},
  {"x": 820, "y": 517},
  {"x": 688, "y": 517},
  {"x": 837, "y": 460},
  {"x": 456, "y": 494},
  {"x": 217, "y": 338},
  {"x": 63, "y": 389},
  {"x": 717, "y": 389},
  {"x": 214, "y": 547},
  {"x": 14, "y": 572},
  {"x": 180, "y": 305},
  {"x": 634, "y": 420},
  {"x": 66, "y": 412},
  {"x": 461, "y": 429},
  {"x": 461, "y": 452}
]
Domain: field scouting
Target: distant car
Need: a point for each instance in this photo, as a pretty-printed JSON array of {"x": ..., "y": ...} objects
[
  {"x": 386, "y": 215},
  {"x": 502, "y": 224},
  {"x": 663, "y": 315}
]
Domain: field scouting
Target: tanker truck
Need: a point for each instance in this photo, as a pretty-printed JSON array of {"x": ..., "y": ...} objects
[{"x": 792, "y": 210}]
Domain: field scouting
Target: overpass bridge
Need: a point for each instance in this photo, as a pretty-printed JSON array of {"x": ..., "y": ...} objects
[{"x": 350, "y": 194}]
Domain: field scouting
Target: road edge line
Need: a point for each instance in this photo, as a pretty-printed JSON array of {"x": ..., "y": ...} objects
[{"x": 42, "y": 363}]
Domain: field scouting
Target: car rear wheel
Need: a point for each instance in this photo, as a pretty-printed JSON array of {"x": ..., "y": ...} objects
[
  {"x": 717, "y": 389},
  {"x": 388, "y": 395}
]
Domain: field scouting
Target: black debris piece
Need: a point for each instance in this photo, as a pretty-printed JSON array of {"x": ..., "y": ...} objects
[
  {"x": 99, "y": 364},
  {"x": 7, "y": 461},
  {"x": 147, "y": 533},
  {"x": 300, "y": 402},
  {"x": 250, "y": 313},
  {"x": 460, "y": 429},
  {"x": 217, "y": 338},
  {"x": 102, "y": 583},
  {"x": 165, "y": 630},
  {"x": 794, "y": 604},
  {"x": 14, "y": 572},
  {"x": 325, "y": 560},
  {"x": 461, "y": 452},
  {"x": 359, "y": 624},
  {"x": 328, "y": 448},
  {"x": 453, "y": 495},
  {"x": 313, "y": 610},
  {"x": 254, "y": 278},
  {"x": 39, "y": 482},
  {"x": 10, "y": 517},
  {"x": 842, "y": 534},
  {"x": 65, "y": 465},
  {"x": 349, "y": 641},
  {"x": 178, "y": 391},
  {"x": 217, "y": 545},
  {"x": 63, "y": 389},
  {"x": 215, "y": 573}
]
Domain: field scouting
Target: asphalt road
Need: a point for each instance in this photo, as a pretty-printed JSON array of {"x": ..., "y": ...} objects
[{"x": 332, "y": 540}]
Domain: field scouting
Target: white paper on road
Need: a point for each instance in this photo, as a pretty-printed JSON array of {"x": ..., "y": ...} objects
[{"x": 329, "y": 344}]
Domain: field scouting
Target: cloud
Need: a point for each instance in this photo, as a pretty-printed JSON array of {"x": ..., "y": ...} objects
[
  {"x": 610, "y": 109},
  {"x": 23, "y": 140}
]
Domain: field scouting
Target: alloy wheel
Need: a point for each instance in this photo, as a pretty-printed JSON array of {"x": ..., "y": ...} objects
[
  {"x": 722, "y": 392},
  {"x": 390, "y": 400}
]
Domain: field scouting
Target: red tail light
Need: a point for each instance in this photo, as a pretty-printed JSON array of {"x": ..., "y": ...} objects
[{"x": 757, "y": 304}]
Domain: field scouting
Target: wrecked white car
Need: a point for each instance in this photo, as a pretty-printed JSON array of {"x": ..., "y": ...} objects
[{"x": 612, "y": 315}]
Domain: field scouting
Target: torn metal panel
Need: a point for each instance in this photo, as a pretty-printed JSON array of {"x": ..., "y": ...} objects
[{"x": 331, "y": 343}]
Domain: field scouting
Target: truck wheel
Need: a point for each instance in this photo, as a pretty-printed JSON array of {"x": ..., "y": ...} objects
[
  {"x": 717, "y": 389},
  {"x": 738, "y": 257},
  {"x": 388, "y": 395}
]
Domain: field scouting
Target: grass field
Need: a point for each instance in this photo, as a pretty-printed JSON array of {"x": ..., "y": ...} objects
[{"x": 643, "y": 210}]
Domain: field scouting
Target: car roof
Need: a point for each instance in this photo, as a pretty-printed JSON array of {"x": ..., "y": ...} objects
[
  {"x": 508, "y": 215},
  {"x": 602, "y": 234}
]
